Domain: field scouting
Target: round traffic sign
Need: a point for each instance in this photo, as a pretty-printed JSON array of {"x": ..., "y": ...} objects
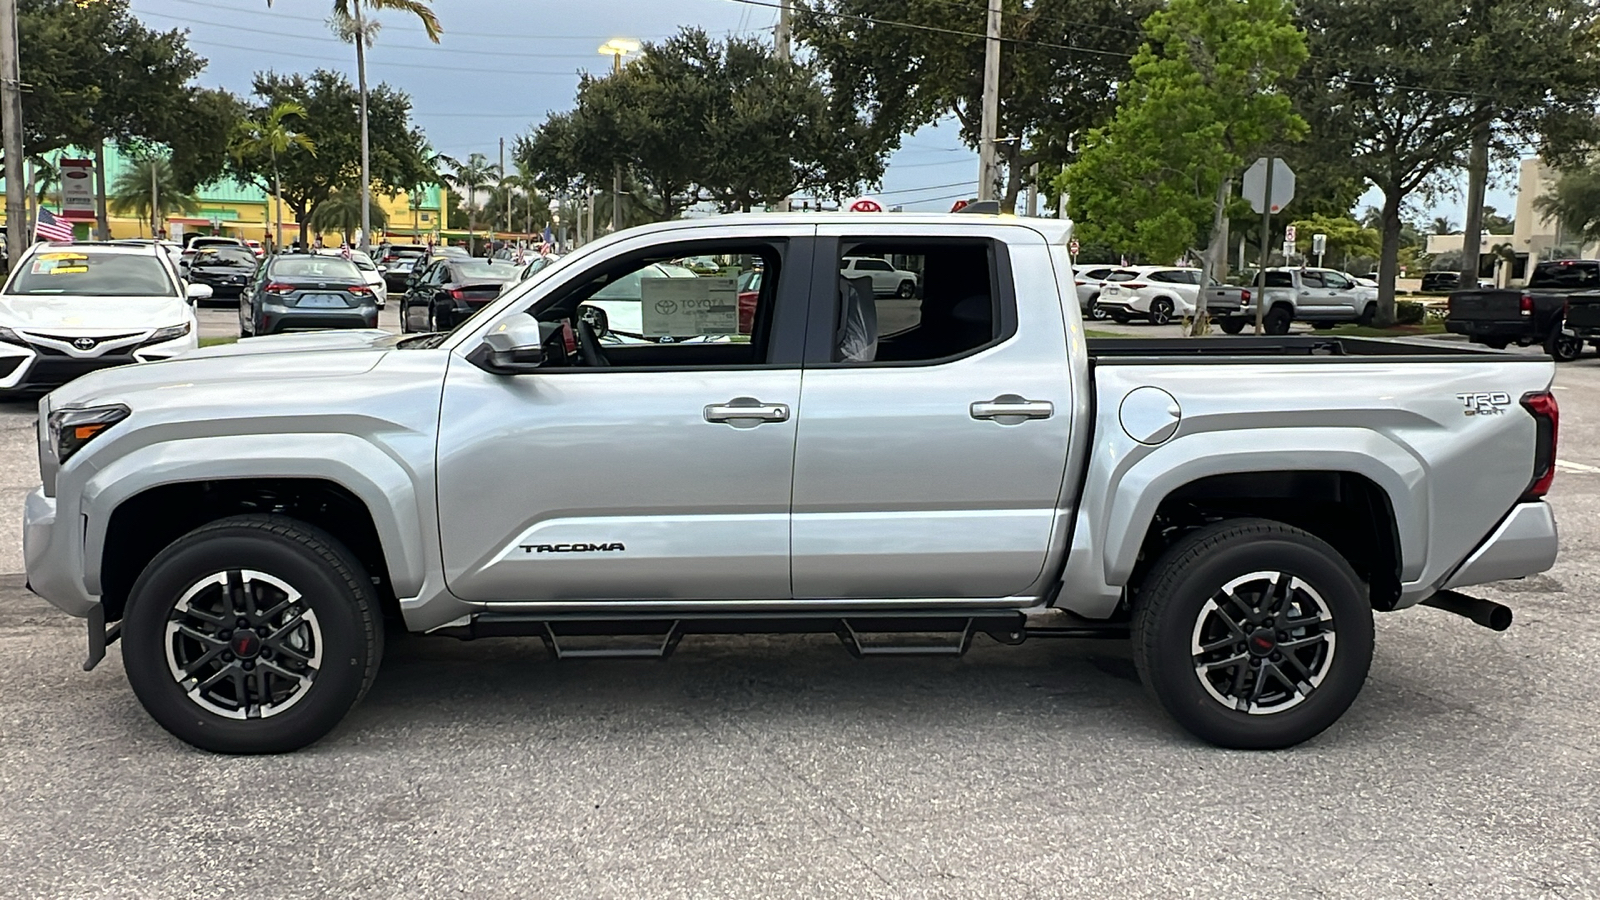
[{"x": 1072, "y": 247}]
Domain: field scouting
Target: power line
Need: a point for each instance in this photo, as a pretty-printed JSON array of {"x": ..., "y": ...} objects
[
  {"x": 331, "y": 39},
  {"x": 380, "y": 62}
]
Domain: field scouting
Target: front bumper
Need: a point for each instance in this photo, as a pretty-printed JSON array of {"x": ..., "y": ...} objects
[
  {"x": 1524, "y": 544},
  {"x": 35, "y": 368},
  {"x": 53, "y": 559}
]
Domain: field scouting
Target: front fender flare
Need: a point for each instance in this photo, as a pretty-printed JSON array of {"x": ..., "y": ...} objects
[{"x": 382, "y": 483}]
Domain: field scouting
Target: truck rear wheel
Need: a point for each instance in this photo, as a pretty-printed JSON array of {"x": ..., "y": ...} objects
[
  {"x": 1252, "y": 634},
  {"x": 1562, "y": 347},
  {"x": 252, "y": 634},
  {"x": 1233, "y": 326}
]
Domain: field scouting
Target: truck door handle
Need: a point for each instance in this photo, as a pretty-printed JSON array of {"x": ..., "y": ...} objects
[
  {"x": 746, "y": 412},
  {"x": 1010, "y": 409}
]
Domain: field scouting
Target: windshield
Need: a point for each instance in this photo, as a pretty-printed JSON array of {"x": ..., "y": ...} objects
[
  {"x": 483, "y": 268},
  {"x": 92, "y": 274},
  {"x": 231, "y": 257},
  {"x": 628, "y": 286},
  {"x": 325, "y": 267}
]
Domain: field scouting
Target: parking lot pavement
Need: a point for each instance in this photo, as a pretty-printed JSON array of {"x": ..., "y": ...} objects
[{"x": 756, "y": 767}]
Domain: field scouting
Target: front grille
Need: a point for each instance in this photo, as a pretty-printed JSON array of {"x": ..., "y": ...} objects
[{"x": 71, "y": 339}]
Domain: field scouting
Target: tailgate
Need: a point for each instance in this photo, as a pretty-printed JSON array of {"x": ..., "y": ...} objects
[
  {"x": 1499, "y": 306},
  {"x": 1583, "y": 310}
]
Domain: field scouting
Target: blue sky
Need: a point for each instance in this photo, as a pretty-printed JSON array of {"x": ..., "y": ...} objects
[{"x": 502, "y": 67}]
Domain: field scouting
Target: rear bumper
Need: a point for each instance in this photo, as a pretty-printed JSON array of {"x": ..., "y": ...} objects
[
  {"x": 1524, "y": 544},
  {"x": 1518, "y": 330},
  {"x": 277, "y": 319}
]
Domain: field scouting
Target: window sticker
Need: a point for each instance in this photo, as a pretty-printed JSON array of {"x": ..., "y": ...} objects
[
  {"x": 685, "y": 307},
  {"x": 59, "y": 264}
]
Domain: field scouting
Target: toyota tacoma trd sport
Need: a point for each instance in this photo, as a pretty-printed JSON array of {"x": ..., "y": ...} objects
[{"x": 908, "y": 473}]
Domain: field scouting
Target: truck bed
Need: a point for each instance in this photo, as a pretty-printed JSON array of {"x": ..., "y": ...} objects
[{"x": 1301, "y": 347}]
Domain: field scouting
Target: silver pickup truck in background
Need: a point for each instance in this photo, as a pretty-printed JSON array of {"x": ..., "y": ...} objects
[
  {"x": 1322, "y": 297},
  {"x": 905, "y": 472}
]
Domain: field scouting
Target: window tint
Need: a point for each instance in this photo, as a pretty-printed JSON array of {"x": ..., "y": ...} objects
[
  {"x": 1122, "y": 275},
  {"x": 872, "y": 265},
  {"x": 952, "y": 308},
  {"x": 1565, "y": 274},
  {"x": 230, "y": 257},
  {"x": 1277, "y": 279},
  {"x": 482, "y": 270},
  {"x": 1311, "y": 279},
  {"x": 332, "y": 268},
  {"x": 1095, "y": 274}
]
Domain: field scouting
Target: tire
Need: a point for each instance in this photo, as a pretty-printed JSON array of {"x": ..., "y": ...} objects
[
  {"x": 331, "y": 628},
  {"x": 907, "y": 290},
  {"x": 1277, "y": 320},
  {"x": 1369, "y": 314},
  {"x": 1177, "y": 611},
  {"x": 245, "y": 332},
  {"x": 1495, "y": 343},
  {"x": 1322, "y": 326},
  {"x": 1095, "y": 312},
  {"x": 1561, "y": 347},
  {"x": 1160, "y": 311},
  {"x": 1121, "y": 318},
  {"x": 1232, "y": 326},
  {"x": 438, "y": 320}
]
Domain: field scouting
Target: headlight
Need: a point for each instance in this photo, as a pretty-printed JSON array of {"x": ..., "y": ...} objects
[
  {"x": 170, "y": 333},
  {"x": 70, "y": 429},
  {"x": 11, "y": 337}
]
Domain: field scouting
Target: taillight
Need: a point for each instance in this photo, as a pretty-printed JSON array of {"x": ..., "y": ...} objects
[
  {"x": 278, "y": 287},
  {"x": 458, "y": 294},
  {"x": 1133, "y": 285},
  {"x": 359, "y": 289},
  {"x": 1527, "y": 304},
  {"x": 1547, "y": 421},
  {"x": 1245, "y": 296}
]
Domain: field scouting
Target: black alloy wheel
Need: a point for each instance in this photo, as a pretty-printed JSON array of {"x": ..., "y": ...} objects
[
  {"x": 1253, "y": 634},
  {"x": 907, "y": 290},
  {"x": 1277, "y": 320},
  {"x": 1563, "y": 347}
]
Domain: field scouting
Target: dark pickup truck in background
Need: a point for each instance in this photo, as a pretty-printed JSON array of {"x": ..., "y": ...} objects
[{"x": 1536, "y": 314}]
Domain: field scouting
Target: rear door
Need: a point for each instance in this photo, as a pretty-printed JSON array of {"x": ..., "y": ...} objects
[{"x": 933, "y": 468}]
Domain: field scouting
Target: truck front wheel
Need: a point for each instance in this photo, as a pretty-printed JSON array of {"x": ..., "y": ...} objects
[
  {"x": 1563, "y": 347},
  {"x": 1252, "y": 634},
  {"x": 1277, "y": 320},
  {"x": 252, "y": 634}
]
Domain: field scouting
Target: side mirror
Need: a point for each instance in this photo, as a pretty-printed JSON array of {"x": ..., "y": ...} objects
[
  {"x": 597, "y": 319},
  {"x": 511, "y": 348},
  {"x": 194, "y": 293}
]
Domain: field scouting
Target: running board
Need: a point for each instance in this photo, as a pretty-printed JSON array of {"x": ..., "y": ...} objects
[{"x": 587, "y": 636}]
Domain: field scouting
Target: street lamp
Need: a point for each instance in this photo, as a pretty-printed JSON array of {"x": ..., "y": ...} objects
[{"x": 617, "y": 48}]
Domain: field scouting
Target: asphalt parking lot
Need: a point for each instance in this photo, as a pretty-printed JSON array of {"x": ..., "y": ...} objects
[{"x": 756, "y": 767}]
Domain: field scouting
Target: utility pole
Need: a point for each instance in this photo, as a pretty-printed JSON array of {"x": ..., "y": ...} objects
[
  {"x": 154, "y": 201},
  {"x": 991, "y": 105},
  {"x": 366, "y": 152},
  {"x": 503, "y": 188},
  {"x": 616, "y": 171},
  {"x": 11, "y": 110},
  {"x": 783, "y": 35}
]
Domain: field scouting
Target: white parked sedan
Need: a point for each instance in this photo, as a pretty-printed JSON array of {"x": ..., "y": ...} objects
[
  {"x": 369, "y": 273},
  {"x": 67, "y": 309},
  {"x": 1158, "y": 293}
]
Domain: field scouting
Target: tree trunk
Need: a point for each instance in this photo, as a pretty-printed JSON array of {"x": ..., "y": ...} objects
[
  {"x": 1389, "y": 260},
  {"x": 277, "y": 203},
  {"x": 366, "y": 155},
  {"x": 102, "y": 219},
  {"x": 1477, "y": 181},
  {"x": 301, "y": 216},
  {"x": 1215, "y": 247}
]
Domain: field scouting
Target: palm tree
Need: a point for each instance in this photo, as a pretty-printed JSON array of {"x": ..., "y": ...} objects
[
  {"x": 272, "y": 133},
  {"x": 149, "y": 188},
  {"x": 352, "y": 25},
  {"x": 1442, "y": 225},
  {"x": 341, "y": 213},
  {"x": 476, "y": 172}
]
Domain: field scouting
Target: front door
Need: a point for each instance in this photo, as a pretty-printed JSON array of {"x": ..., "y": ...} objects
[
  {"x": 652, "y": 468},
  {"x": 931, "y": 466}
]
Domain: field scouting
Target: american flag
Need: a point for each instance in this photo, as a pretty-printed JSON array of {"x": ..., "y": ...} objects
[{"x": 46, "y": 227}]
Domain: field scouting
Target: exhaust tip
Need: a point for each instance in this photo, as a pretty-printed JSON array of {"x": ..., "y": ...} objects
[{"x": 1491, "y": 615}]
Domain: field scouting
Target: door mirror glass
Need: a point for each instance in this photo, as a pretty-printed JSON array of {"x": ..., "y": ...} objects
[
  {"x": 512, "y": 347},
  {"x": 598, "y": 321}
]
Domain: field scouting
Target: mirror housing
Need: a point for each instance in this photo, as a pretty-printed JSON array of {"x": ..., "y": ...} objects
[
  {"x": 194, "y": 293},
  {"x": 511, "y": 348}
]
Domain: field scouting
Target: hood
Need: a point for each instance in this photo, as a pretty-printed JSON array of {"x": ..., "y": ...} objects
[
  {"x": 91, "y": 315},
  {"x": 257, "y": 365}
]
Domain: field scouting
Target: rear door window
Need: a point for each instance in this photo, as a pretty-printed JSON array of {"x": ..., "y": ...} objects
[{"x": 1565, "y": 274}]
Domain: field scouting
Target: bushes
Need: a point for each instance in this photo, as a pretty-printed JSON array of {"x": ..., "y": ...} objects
[{"x": 1408, "y": 312}]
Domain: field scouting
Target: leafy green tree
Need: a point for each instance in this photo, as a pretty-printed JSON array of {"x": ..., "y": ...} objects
[
  {"x": 469, "y": 176},
  {"x": 272, "y": 133},
  {"x": 1347, "y": 238},
  {"x": 332, "y": 126},
  {"x": 1442, "y": 225},
  {"x": 1494, "y": 223},
  {"x": 904, "y": 64},
  {"x": 1204, "y": 96},
  {"x": 341, "y": 214},
  {"x": 132, "y": 190}
]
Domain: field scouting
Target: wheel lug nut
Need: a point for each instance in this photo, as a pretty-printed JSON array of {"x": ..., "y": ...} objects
[
  {"x": 266, "y": 653},
  {"x": 243, "y": 622},
  {"x": 227, "y": 657},
  {"x": 248, "y": 665},
  {"x": 225, "y": 634}
]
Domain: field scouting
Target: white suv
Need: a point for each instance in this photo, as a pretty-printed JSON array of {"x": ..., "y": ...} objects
[
  {"x": 1158, "y": 293},
  {"x": 67, "y": 309},
  {"x": 886, "y": 279}
]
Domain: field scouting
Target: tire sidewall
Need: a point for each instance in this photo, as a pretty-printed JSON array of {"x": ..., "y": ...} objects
[
  {"x": 1277, "y": 322},
  {"x": 1161, "y": 310},
  {"x": 345, "y": 632},
  {"x": 1169, "y": 668}
]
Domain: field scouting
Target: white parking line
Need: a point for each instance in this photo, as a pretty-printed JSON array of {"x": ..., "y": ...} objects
[{"x": 1576, "y": 468}]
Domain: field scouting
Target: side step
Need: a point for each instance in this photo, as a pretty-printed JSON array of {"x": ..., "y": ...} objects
[{"x": 875, "y": 634}]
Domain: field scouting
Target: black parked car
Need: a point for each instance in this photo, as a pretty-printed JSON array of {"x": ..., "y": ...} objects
[
  {"x": 298, "y": 292},
  {"x": 449, "y": 290},
  {"x": 226, "y": 269}
]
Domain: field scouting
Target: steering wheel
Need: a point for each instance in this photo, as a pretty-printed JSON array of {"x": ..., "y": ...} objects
[{"x": 589, "y": 345}]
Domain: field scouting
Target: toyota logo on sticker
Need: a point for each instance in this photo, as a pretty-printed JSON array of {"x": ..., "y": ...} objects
[{"x": 84, "y": 343}]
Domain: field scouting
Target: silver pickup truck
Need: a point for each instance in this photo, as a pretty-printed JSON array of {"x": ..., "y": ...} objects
[{"x": 908, "y": 473}]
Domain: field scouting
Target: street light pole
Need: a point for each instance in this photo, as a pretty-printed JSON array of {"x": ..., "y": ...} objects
[
  {"x": 615, "y": 48},
  {"x": 11, "y": 111},
  {"x": 990, "y": 127}
]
